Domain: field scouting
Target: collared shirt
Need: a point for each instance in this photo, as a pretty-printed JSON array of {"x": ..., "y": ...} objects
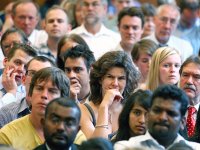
[
  {"x": 9, "y": 97},
  {"x": 184, "y": 47},
  {"x": 48, "y": 148},
  {"x": 147, "y": 142},
  {"x": 37, "y": 37},
  {"x": 13, "y": 111},
  {"x": 100, "y": 43},
  {"x": 43, "y": 50}
]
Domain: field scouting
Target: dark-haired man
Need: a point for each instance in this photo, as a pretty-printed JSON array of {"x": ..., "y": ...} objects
[
  {"x": 60, "y": 125},
  {"x": 166, "y": 116}
]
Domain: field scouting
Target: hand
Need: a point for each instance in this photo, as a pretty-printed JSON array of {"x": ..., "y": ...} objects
[
  {"x": 111, "y": 95},
  {"x": 75, "y": 88},
  {"x": 8, "y": 80}
]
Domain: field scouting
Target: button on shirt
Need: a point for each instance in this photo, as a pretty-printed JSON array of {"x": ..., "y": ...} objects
[
  {"x": 147, "y": 142},
  {"x": 100, "y": 43},
  {"x": 9, "y": 97}
]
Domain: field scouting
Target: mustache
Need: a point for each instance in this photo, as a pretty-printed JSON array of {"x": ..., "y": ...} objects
[
  {"x": 162, "y": 124},
  {"x": 60, "y": 135},
  {"x": 188, "y": 86}
]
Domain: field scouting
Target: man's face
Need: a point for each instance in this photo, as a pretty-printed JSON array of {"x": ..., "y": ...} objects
[
  {"x": 33, "y": 67},
  {"x": 17, "y": 64},
  {"x": 61, "y": 126},
  {"x": 56, "y": 24},
  {"x": 130, "y": 29},
  {"x": 121, "y": 4},
  {"x": 8, "y": 42},
  {"x": 164, "y": 119},
  {"x": 93, "y": 11},
  {"x": 43, "y": 93},
  {"x": 165, "y": 23},
  {"x": 189, "y": 16},
  {"x": 26, "y": 17},
  {"x": 190, "y": 81},
  {"x": 76, "y": 71}
]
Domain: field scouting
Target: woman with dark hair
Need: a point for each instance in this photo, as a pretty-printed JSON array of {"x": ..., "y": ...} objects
[
  {"x": 133, "y": 118},
  {"x": 112, "y": 78},
  {"x": 65, "y": 43}
]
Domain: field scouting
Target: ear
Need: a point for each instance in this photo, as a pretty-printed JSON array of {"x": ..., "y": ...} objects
[{"x": 5, "y": 61}]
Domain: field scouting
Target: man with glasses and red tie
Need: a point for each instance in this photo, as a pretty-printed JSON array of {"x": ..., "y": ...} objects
[{"x": 166, "y": 20}]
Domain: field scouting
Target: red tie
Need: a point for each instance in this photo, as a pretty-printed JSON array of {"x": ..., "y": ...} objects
[{"x": 191, "y": 121}]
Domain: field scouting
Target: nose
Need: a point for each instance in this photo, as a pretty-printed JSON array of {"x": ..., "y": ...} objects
[
  {"x": 190, "y": 80},
  {"x": 172, "y": 68},
  {"x": 61, "y": 126},
  {"x": 44, "y": 94},
  {"x": 115, "y": 82},
  {"x": 26, "y": 20},
  {"x": 167, "y": 24},
  {"x": 142, "y": 119},
  {"x": 163, "y": 116},
  {"x": 71, "y": 74}
]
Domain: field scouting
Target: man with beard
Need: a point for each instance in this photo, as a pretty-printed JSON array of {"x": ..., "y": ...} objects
[
  {"x": 60, "y": 125},
  {"x": 99, "y": 39},
  {"x": 190, "y": 83},
  {"x": 166, "y": 117},
  {"x": 166, "y": 20}
]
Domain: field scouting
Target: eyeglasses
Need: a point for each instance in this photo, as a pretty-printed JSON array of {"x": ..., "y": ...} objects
[
  {"x": 30, "y": 73},
  {"x": 165, "y": 20}
]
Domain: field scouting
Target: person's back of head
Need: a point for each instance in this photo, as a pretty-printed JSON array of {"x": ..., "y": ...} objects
[
  {"x": 161, "y": 2},
  {"x": 96, "y": 144}
]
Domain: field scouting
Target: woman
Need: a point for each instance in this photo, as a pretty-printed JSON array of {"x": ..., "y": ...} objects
[
  {"x": 65, "y": 43},
  {"x": 112, "y": 78},
  {"x": 141, "y": 55},
  {"x": 164, "y": 68},
  {"x": 133, "y": 118}
]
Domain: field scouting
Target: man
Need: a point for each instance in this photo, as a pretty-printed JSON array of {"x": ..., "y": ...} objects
[
  {"x": 130, "y": 24},
  {"x": 46, "y": 84},
  {"x": 25, "y": 14},
  {"x": 60, "y": 125},
  {"x": 187, "y": 28},
  {"x": 166, "y": 116},
  {"x": 78, "y": 62},
  {"x": 11, "y": 87},
  {"x": 166, "y": 20},
  {"x": 97, "y": 36},
  {"x": 190, "y": 83},
  {"x": 11, "y": 36},
  {"x": 119, "y": 5},
  {"x": 56, "y": 25},
  {"x": 21, "y": 108}
]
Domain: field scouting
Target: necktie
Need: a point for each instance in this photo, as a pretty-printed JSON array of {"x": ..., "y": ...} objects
[{"x": 191, "y": 120}]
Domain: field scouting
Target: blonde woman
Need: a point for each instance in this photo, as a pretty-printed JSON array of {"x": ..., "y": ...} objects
[{"x": 164, "y": 68}]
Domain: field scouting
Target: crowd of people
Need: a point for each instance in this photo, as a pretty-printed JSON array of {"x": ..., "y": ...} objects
[{"x": 100, "y": 74}]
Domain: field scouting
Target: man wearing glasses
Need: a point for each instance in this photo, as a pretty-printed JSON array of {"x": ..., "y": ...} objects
[
  {"x": 166, "y": 20},
  {"x": 16, "y": 110}
]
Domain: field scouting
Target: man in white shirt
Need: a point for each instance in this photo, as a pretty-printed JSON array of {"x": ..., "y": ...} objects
[
  {"x": 166, "y": 20},
  {"x": 11, "y": 80},
  {"x": 166, "y": 115},
  {"x": 25, "y": 15},
  {"x": 190, "y": 83},
  {"x": 97, "y": 36}
]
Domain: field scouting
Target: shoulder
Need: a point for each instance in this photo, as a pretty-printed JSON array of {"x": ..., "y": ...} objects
[{"x": 41, "y": 147}]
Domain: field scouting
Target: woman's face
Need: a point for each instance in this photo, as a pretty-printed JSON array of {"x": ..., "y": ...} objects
[
  {"x": 68, "y": 44},
  {"x": 149, "y": 26},
  {"x": 138, "y": 120},
  {"x": 169, "y": 69},
  {"x": 143, "y": 63},
  {"x": 115, "y": 78}
]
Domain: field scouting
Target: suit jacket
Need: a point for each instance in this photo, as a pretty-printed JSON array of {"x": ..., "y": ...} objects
[{"x": 43, "y": 147}]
